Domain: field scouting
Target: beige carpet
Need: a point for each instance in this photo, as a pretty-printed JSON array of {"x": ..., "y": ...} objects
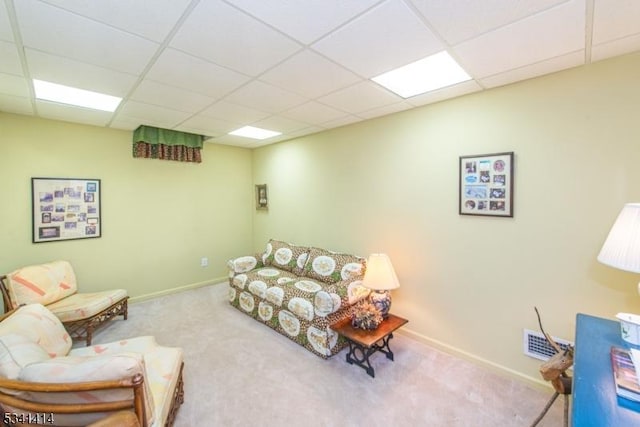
[{"x": 238, "y": 372}]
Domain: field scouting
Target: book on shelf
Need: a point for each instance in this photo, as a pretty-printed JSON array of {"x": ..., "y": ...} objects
[{"x": 625, "y": 374}]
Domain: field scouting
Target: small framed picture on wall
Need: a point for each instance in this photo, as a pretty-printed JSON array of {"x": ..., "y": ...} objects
[
  {"x": 262, "y": 197},
  {"x": 486, "y": 185}
]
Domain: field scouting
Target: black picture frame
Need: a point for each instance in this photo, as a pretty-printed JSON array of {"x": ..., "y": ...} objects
[
  {"x": 486, "y": 185},
  {"x": 65, "y": 209}
]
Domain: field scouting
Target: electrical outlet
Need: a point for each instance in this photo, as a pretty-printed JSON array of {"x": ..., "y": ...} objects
[{"x": 204, "y": 261}]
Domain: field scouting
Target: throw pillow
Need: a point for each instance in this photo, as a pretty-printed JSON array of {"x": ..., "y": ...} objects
[
  {"x": 331, "y": 267},
  {"x": 285, "y": 256}
]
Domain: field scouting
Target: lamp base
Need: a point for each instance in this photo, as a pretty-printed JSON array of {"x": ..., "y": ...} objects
[{"x": 382, "y": 301}]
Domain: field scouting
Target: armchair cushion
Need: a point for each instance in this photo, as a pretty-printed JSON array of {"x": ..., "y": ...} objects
[
  {"x": 163, "y": 367},
  {"x": 39, "y": 326},
  {"x": 16, "y": 352},
  {"x": 71, "y": 369},
  {"x": 42, "y": 283},
  {"x": 84, "y": 305},
  {"x": 285, "y": 256}
]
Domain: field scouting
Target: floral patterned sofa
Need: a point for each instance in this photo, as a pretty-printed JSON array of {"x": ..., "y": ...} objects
[
  {"x": 298, "y": 291},
  {"x": 40, "y": 372}
]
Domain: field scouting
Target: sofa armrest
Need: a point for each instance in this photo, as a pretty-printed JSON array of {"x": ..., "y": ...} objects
[{"x": 244, "y": 264}]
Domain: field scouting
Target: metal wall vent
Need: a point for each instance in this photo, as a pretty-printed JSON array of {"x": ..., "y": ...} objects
[{"x": 536, "y": 345}]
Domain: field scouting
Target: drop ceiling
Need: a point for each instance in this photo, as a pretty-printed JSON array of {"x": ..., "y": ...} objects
[{"x": 298, "y": 67}]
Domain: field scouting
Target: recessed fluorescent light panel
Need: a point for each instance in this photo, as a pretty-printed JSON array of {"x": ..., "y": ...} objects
[
  {"x": 255, "y": 133},
  {"x": 431, "y": 73},
  {"x": 73, "y": 96}
]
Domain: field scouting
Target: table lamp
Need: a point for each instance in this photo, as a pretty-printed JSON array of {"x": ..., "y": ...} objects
[
  {"x": 381, "y": 278},
  {"x": 621, "y": 250}
]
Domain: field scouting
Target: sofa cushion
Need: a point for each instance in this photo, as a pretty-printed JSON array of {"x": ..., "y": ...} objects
[
  {"x": 38, "y": 325},
  {"x": 87, "y": 368},
  {"x": 331, "y": 267},
  {"x": 16, "y": 352},
  {"x": 42, "y": 283},
  {"x": 285, "y": 256}
]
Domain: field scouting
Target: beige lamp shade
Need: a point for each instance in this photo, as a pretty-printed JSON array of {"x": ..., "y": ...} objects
[
  {"x": 622, "y": 248},
  {"x": 380, "y": 274}
]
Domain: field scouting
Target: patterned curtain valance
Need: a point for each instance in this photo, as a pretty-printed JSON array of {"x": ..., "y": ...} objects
[{"x": 165, "y": 144}]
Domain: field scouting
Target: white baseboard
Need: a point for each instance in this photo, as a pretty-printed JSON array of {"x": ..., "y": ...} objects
[
  {"x": 495, "y": 367},
  {"x": 145, "y": 297}
]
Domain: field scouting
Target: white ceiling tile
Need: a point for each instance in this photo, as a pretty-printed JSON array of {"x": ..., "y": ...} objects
[
  {"x": 213, "y": 127},
  {"x": 459, "y": 20},
  {"x": 615, "y": 19},
  {"x": 360, "y": 97},
  {"x": 248, "y": 62},
  {"x": 50, "y": 29},
  {"x": 10, "y": 61},
  {"x": 152, "y": 114},
  {"x": 57, "y": 69},
  {"x": 16, "y": 104},
  {"x": 265, "y": 97},
  {"x": 234, "y": 113},
  {"x": 307, "y": 20},
  {"x": 534, "y": 70},
  {"x": 557, "y": 31},
  {"x": 197, "y": 75},
  {"x": 222, "y": 34},
  {"x": 342, "y": 121},
  {"x": 280, "y": 124},
  {"x": 615, "y": 48},
  {"x": 297, "y": 72},
  {"x": 237, "y": 141},
  {"x": 151, "y": 92},
  {"x": 6, "y": 33},
  {"x": 385, "y": 110},
  {"x": 386, "y": 37},
  {"x": 445, "y": 93},
  {"x": 69, "y": 113},
  {"x": 125, "y": 123},
  {"x": 314, "y": 113},
  {"x": 152, "y": 19},
  {"x": 13, "y": 85}
]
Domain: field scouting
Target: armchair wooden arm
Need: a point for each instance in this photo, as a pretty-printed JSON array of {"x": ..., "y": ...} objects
[{"x": 16, "y": 402}]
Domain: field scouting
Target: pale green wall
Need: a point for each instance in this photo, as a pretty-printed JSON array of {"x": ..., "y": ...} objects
[
  {"x": 158, "y": 217},
  {"x": 471, "y": 283}
]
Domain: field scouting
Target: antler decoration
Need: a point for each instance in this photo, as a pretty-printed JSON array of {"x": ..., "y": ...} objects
[{"x": 554, "y": 370}]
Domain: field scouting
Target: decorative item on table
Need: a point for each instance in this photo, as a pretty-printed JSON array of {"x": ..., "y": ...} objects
[
  {"x": 381, "y": 278},
  {"x": 621, "y": 250},
  {"x": 366, "y": 316},
  {"x": 629, "y": 327}
]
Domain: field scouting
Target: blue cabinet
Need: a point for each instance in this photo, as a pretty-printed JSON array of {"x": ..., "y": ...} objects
[{"x": 595, "y": 402}]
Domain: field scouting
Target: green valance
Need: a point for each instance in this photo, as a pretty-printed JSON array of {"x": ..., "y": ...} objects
[
  {"x": 165, "y": 144},
  {"x": 152, "y": 135}
]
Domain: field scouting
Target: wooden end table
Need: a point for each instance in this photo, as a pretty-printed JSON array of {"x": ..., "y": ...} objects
[{"x": 363, "y": 343}]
